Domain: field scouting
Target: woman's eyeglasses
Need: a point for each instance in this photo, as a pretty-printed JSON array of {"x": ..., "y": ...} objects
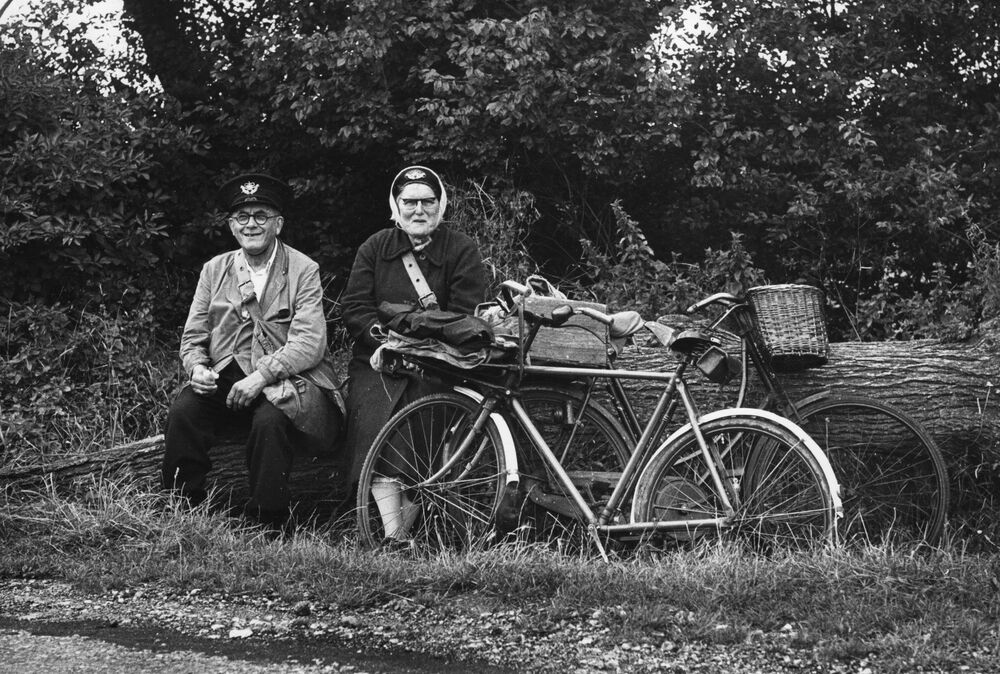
[
  {"x": 259, "y": 217},
  {"x": 429, "y": 204}
]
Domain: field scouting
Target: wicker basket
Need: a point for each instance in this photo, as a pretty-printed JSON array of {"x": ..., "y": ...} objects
[{"x": 792, "y": 324}]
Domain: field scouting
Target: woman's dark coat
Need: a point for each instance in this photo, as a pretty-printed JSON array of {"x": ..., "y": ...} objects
[{"x": 453, "y": 268}]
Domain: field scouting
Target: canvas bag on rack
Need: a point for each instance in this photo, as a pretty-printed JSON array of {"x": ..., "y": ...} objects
[
  {"x": 579, "y": 341},
  {"x": 463, "y": 332}
]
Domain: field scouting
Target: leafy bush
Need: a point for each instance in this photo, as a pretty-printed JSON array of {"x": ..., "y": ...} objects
[
  {"x": 79, "y": 210},
  {"x": 953, "y": 306},
  {"x": 631, "y": 277},
  {"x": 956, "y": 303},
  {"x": 74, "y": 380}
]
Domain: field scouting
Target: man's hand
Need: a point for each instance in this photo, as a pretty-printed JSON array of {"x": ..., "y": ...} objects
[
  {"x": 203, "y": 380},
  {"x": 245, "y": 391}
]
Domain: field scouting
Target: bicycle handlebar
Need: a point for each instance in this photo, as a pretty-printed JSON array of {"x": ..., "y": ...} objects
[
  {"x": 516, "y": 288},
  {"x": 598, "y": 316},
  {"x": 725, "y": 299},
  {"x": 560, "y": 314},
  {"x": 564, "y": 312}
]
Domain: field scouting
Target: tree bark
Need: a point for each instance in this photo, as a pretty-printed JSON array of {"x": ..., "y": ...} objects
[{"x": 172, "y": 54}]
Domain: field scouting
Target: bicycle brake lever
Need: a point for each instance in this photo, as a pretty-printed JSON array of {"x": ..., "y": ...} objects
[
  {"x": 561, "y": 314},
  {"x": 726, "y": 299}
]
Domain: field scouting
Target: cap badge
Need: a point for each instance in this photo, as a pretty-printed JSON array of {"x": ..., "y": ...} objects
[
  {"x": 415, "y": 174},
  {"x": 249, "y": 188}
]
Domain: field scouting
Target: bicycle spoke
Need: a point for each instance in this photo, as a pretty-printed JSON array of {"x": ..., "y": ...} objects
[
  {"x": 450, "y": 504},
  {"x": 893, "y": 479},
  {"x": 783, "y": 499}
]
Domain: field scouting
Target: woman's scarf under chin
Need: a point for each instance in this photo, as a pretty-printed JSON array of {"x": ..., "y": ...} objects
[{"x": 419, "y": 243}]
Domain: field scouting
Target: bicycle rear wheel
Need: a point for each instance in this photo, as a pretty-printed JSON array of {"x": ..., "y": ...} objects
[
  {"x": 584, "y": 438},
  {"x": 893, "y": 479},
  {"x": 783, "y": 498},
  {"x": 592, "y": 448},
  {"x": 456, "y": 510}
]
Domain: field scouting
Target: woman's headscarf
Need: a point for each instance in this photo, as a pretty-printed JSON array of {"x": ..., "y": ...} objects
[{"x": 417, "y": 174}]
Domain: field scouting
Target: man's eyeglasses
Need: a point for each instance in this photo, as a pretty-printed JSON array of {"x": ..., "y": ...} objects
[
  {"x": 429, "y": 204},
  {"x": 260, "y": 217}
]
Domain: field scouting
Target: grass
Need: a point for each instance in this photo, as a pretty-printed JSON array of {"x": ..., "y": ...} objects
[{"x": 910, "y": 608}]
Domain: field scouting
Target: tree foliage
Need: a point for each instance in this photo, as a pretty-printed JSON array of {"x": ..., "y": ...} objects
[
  {"x": 82, "y": 213},
  {"x": 848, "y": 144},
  {"x": 856, "y": 141},
  {"x": 550, "y": 97}
]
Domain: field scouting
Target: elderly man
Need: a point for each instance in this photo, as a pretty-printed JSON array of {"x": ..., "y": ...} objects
[{"x": 254, "y": 348}]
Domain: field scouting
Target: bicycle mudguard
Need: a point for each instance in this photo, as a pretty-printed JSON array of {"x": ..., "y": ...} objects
[
  {"x": 813, "y": 397},
  {"x": 503, "y": 428},
  {"x": 805, "y": 438}
]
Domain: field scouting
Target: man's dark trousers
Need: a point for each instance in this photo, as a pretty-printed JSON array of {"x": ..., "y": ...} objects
[{"x": 192, "y": 426}]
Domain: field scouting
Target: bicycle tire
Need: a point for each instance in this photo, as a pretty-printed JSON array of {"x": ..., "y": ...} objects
[
  {"x": 786, "y": 496},
  {"x": 893, "y": 477},
  {"x": 457, "y": 511}
]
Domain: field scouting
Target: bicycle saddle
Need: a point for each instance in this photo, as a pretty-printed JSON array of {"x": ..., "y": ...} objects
[{"x": 694, "y": 341}]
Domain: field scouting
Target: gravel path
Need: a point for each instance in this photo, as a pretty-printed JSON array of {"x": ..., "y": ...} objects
[{"x": 49, "y": 626}]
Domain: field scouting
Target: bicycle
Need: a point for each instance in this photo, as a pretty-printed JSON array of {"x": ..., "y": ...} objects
[
  {"x": 744, "y": 474},
  {"x": 893, "y": 477}
]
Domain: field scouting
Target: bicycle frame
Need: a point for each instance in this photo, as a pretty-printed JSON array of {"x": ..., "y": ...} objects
[
  {"x": 496, "y": 390},
  {"x": 751, "y": 353},
  {"x": 674, "y": 389}
]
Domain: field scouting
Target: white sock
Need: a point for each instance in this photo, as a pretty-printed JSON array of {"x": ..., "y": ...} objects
[{"x": 388, "y": 495}]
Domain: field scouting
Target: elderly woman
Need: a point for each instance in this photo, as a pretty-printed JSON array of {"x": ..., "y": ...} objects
[{"x": 452, "y": 267}]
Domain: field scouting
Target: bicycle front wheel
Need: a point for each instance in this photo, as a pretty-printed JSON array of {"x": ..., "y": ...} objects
[
  {"x": 893, "y": 479},
  {"x": 418, "y": 481},
  {"x": 781, "y": 497}
]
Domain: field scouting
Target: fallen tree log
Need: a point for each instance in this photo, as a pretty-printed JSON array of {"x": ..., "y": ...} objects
[
  {"x": 948, "y": 387},
  {"x": 316, "y": 488}
]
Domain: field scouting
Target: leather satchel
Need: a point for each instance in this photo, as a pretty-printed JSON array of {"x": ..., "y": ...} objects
[{"x": 464, "y": 332}]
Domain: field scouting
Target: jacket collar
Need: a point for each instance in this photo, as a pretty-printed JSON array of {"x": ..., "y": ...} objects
[
  {"x": 399, "y": 243},
  {"x": 276, "y": 280}
]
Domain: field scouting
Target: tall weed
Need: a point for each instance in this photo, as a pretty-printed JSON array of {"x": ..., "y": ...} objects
[{"x": 499, "y": 224}]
